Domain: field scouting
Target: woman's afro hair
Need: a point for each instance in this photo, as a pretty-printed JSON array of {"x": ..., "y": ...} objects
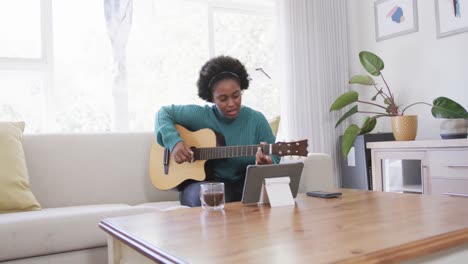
[{"x": 215, "y": 66}]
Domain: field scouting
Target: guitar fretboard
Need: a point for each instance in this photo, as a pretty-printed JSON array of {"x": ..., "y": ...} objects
[{"x": 228, "y": 152}]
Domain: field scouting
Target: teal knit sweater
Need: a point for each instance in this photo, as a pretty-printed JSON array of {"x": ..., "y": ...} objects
[{"x": 249, "y": 128}]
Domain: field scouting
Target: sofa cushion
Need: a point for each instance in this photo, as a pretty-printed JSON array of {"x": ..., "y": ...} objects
[
  {"x": 274, "y": 125},
  {"x": 317, "y": 173},
  {"x": 55, "y": 230},
  {"x": 15, "y": 194},
  {"x": 113, "y": 167}
]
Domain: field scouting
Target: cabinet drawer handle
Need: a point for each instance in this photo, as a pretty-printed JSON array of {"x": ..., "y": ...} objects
[
  {"x": 457, "y": 194},
  {"x": 457, "y": 166}
]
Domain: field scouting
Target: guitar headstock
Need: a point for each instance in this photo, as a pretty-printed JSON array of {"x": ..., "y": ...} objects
[{"x": 294, "y": 148}]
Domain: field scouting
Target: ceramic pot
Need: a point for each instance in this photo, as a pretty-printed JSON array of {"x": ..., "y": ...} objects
[
  {"x": 453, "y": 128},
  {"x": 405, "y": 127}
]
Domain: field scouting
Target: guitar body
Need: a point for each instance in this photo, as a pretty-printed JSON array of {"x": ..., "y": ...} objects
[{"x": 178, "y": 173}]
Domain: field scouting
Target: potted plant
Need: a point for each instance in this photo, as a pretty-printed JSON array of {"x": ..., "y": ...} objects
[
  {"x": 454, "y": 124},
  {"x": 404, "y": 127}
]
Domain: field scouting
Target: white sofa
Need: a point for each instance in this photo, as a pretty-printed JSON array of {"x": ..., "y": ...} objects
[{"x": 81, "y": 178}]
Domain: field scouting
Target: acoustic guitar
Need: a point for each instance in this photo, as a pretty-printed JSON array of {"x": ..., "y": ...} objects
[{"x": 167, "y": 174}]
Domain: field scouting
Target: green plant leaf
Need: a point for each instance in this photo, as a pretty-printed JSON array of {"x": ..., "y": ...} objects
[
  {"x": 447, "y": 108},
  {"x": 344, "y": 100},
  {"x": 350, "y": 112},
  {"x": 362, "y": 79},
  {"x": 348, "y": 139},
  {"x": 371, "y": 62},
  {"x": 368, "y": 125},
  {"x": 387, "y": 101}
]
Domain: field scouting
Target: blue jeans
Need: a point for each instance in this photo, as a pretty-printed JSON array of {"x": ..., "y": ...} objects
[{"x": 189, "y": 194}]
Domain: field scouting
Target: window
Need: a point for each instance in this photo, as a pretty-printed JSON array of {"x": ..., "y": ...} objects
[
  {"x": 249, "y": 36},
  {"x": 82, "y": 67},
  {"x": 167, "y": 45},
  {"x": 56, "y": 69},
  {"x": 20, "y": 29},
  {"x": 25, "y": 99},
  {"x": 24, "y": 72}
]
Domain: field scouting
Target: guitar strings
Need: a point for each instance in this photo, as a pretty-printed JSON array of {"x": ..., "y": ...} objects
[{"x": 228, "y": 152}]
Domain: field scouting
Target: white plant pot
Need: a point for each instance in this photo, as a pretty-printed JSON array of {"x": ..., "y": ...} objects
[{"x": 453, "y": 128}]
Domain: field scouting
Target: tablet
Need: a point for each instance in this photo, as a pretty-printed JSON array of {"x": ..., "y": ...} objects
[{"x": 255, "y": 175}]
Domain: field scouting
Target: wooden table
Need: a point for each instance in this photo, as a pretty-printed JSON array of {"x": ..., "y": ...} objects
[{"x": 360, "y": 227}]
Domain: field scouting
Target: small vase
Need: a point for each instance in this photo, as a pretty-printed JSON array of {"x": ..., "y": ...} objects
[
  {"x": 405, "y": 127},
  {"x": 453, "y": 128}
]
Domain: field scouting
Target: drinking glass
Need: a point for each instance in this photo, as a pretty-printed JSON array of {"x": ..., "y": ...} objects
[{"x": 212, "y": 195}]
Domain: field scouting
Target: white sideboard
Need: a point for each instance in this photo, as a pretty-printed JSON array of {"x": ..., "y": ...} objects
[{"x": 436, "y": 167}]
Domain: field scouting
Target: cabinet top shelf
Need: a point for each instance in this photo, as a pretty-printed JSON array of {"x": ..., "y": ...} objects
[{"x": 436, "y": 143}]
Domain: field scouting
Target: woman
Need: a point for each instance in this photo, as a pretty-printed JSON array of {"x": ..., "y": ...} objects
[{"x": 221, "y": 81}]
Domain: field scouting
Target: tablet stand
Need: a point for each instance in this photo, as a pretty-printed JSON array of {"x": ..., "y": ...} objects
[{"x": 277, "y": 192}]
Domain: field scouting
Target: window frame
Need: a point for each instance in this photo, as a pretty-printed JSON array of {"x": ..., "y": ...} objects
[
  {"x": 43, "y": 65},
  {"x": 46, "y": 58}
]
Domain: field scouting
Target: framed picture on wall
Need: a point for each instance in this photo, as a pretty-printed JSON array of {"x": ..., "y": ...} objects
[
  {"x": 394, "y": 18},
  {"x": 451, "y": 17}
]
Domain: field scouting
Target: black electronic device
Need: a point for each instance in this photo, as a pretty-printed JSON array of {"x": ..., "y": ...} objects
[{"x": 323, "y": 194}]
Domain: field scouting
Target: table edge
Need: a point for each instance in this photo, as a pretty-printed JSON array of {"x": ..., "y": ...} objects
[
  {"x": 413, "y": 249},
  {"x": 150, "y": 251}
]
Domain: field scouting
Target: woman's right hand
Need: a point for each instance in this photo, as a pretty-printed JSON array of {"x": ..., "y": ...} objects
[{"x": 182, "y": 153}]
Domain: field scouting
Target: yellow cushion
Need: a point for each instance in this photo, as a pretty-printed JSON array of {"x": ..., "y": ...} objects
[
  {"x": 14, "y": 181},
  {"x": 274, "y": 124}
]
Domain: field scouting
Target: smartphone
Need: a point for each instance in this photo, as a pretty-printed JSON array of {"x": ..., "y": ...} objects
[{"x": 323, "y": 194}]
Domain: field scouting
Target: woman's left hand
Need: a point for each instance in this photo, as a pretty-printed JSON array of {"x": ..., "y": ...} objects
[{"x": 260, "y": 158}]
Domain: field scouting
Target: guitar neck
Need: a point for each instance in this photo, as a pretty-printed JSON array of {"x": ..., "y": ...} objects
[{"x": 229, "y": 152}]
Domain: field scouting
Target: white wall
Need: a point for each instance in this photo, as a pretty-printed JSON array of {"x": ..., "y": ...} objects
[{"x": 418, "y": 66}]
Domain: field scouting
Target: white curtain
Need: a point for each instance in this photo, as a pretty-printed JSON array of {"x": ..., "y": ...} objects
[
  {"x": 118, "y": 15},
  {"x": 314, "y": 58}
]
